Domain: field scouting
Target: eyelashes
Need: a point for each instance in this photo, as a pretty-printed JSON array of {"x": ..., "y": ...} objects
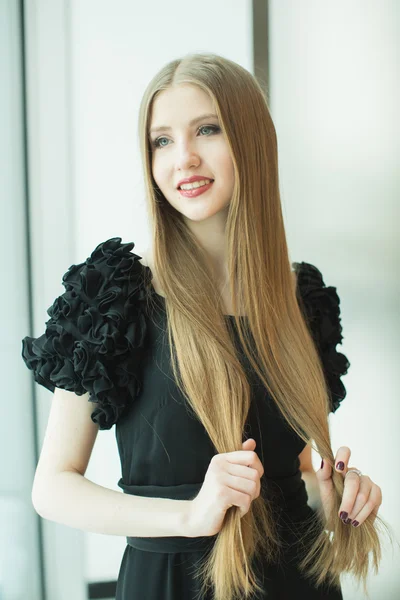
[{"x": 156, "y": 143}]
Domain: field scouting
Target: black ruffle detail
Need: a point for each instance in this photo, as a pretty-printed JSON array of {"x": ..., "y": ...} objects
[
  {"x": 95, "y": 336},
  {"x": 321, "y": 307}
]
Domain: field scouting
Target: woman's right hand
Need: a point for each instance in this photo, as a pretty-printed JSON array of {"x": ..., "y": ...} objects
[{"x": 232, "y": 479}]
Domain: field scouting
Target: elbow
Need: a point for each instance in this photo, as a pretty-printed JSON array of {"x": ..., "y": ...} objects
[
  {"x": 36, "y": 502},
  {"x": 38, "y": 498}
]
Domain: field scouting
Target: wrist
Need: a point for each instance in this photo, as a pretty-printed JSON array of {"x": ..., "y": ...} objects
[{"x": 185, "y": 520}]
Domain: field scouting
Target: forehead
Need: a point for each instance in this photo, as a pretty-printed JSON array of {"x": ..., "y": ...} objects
[{"x": 179, "y": 105}]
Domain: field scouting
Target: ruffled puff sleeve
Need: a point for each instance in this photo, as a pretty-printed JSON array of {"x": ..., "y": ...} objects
[
  {"x": 94, "y": 339},
  {"x": 321, "y": 307}
]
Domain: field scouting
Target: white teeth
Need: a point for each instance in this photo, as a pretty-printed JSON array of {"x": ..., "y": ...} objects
[{"x": 196, "y": 184}]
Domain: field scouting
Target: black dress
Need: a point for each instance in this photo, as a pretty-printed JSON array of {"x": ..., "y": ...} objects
[{"x": 105, "y": 337}]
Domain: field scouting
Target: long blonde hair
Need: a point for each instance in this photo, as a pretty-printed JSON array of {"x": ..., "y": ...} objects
[{"x": 206, "y": 365}]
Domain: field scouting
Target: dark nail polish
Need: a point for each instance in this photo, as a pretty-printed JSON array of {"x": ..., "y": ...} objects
[
  {"x": 344, "y": 515},
  {"x": 348, "y": 521},
  {"x": 355, "y": 523},
  {"x": 340, "y": 466}
]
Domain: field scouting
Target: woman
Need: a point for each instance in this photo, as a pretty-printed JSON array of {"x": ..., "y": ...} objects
[{"x": 213, "y": 341}]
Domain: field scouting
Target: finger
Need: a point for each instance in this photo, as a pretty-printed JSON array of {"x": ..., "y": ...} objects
[
  {"x": 371, "y": 506},
  {"x": 325, "y": 484},
  {"x": 373, "y": 517},
  {"x": 355, "y": 494},
  {"x": 324, "y": 473},
  {"x": 245, "y": 457},
  {"x": 342, "y": 459},
  {"x": 242, "y": 471},
  {"x": 252, "y": 440}
]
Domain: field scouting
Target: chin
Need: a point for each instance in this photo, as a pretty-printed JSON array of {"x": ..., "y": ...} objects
[{"x": 202, "y": 215}]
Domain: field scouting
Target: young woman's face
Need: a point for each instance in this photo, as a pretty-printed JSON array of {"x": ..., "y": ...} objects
[{"x": 181, "y": 150}]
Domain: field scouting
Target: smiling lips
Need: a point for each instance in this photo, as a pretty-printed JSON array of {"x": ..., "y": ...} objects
[
  {"x": 194, "y": 179},
  {"x": 188, "y": 185},
  {"x": 196, "y": 191}
]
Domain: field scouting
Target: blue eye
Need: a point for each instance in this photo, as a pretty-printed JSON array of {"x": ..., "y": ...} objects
[
  {"x": 213, "y": 128},
  {"x": 156, "y": 143}
]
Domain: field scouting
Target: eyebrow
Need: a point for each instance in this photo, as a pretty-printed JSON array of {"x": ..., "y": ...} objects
[{"x": 192, "y": 122}]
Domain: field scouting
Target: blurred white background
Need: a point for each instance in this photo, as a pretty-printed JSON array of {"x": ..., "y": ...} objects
[{"x": 72, "y": 74}]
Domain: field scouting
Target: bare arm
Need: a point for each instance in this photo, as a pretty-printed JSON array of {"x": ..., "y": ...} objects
[
  {"x": 72, "y": 499},
  {"x": 63, "y": 494}
]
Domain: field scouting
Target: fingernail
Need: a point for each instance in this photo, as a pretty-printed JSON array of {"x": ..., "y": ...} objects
[
  {"x": 322, "y": 464},
  {"x": 343, "y": 515},
  {"x": 347, "y": 521},
  {"x": 340, "y": 466},
  {"x": 355, "y": 523}
]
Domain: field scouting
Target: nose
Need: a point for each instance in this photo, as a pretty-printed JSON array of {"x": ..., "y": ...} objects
[{"x": 186, "y": 157}]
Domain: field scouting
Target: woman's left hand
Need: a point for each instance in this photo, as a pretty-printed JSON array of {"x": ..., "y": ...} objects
[{"x": 361, "y": 496}]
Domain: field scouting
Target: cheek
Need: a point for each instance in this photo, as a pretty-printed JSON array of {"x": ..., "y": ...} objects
[
  {"x": 224, "y": 161},
  {"x": 229, "y": 171},
  {"x": 158, "y": 173}
]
